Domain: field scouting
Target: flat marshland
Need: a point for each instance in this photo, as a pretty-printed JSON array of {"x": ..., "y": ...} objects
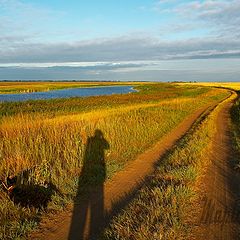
[
  {"x": 43, "y": 144},
  {"x": 24, "y": 87}
]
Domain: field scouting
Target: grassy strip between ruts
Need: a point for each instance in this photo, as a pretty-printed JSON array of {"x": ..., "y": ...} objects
[
  {"x": 54, "y": 153},
  {"x": 235, "y": 116},
  {"x": 160, "y": 207}
]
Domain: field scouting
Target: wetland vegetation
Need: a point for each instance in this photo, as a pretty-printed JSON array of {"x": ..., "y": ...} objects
[{"x": 48, "y": 139}]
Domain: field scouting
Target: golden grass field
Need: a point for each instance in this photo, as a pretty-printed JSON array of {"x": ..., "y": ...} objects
[
  {"x": 47, "y": 139},
  {"x": 230, "y": 85},
  {"x": 162, "y": 206}
]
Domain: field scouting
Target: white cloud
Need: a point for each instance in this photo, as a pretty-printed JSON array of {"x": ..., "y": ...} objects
[
  {"x": 110, "y": 65},
  {"x": 25, "y": 21},
  {"x": 217, "y": 18},
  {"x": 184, "y": 70},
  {"x": 120, "y": 49},
  {"x": 222, "y": 17}
]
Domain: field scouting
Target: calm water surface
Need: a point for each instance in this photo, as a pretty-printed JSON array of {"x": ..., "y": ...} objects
[{"x": 67, "y": 93}]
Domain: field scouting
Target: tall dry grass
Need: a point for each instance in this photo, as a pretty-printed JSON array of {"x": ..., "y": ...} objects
[
  {"x": 52, "y": 147},
  {"x": 162, "y": 205}
]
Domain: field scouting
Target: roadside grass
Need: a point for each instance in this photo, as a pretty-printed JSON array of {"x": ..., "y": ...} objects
[
  {"x": 50, "y": 146},
  {"x": 160, "y": 208},
  {"x": 235, "y": 116}
]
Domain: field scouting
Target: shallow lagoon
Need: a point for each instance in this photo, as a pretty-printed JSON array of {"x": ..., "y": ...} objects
[{"x": 67, "y": 93}]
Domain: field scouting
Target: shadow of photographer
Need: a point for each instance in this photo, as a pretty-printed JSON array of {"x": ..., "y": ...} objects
[{"x": 88, "y": 214}]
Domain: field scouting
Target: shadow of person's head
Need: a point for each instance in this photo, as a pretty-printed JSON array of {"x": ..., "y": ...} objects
[
  {"x": 93, "y": 169},
  {"x": 98, "y": 133},
  {"x": 96, "y": 146}
]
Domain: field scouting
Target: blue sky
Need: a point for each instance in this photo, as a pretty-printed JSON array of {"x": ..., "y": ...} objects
[{"x": 165, "y": 40}]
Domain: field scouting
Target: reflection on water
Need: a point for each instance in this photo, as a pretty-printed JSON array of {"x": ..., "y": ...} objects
[{"x": 67, "y": 93}]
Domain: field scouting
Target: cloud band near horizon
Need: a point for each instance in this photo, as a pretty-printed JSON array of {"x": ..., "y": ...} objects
[{"x": 42, "y": 38}]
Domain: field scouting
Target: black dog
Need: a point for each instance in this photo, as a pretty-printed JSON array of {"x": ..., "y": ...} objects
[{"x": 29, "y": 195}]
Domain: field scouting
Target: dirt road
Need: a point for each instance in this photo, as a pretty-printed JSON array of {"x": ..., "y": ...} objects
[
  {"x": 219, "y": 208},
  {"x": 89, "y": 216}
]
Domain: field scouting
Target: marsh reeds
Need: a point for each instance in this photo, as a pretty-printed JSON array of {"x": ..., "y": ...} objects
[{"x": 48, "y": 139}]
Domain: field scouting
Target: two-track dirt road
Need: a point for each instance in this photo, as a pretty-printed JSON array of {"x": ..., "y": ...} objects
[
  {"x": 219, "y": 207},
  {"x": 79, "y": 222}
]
